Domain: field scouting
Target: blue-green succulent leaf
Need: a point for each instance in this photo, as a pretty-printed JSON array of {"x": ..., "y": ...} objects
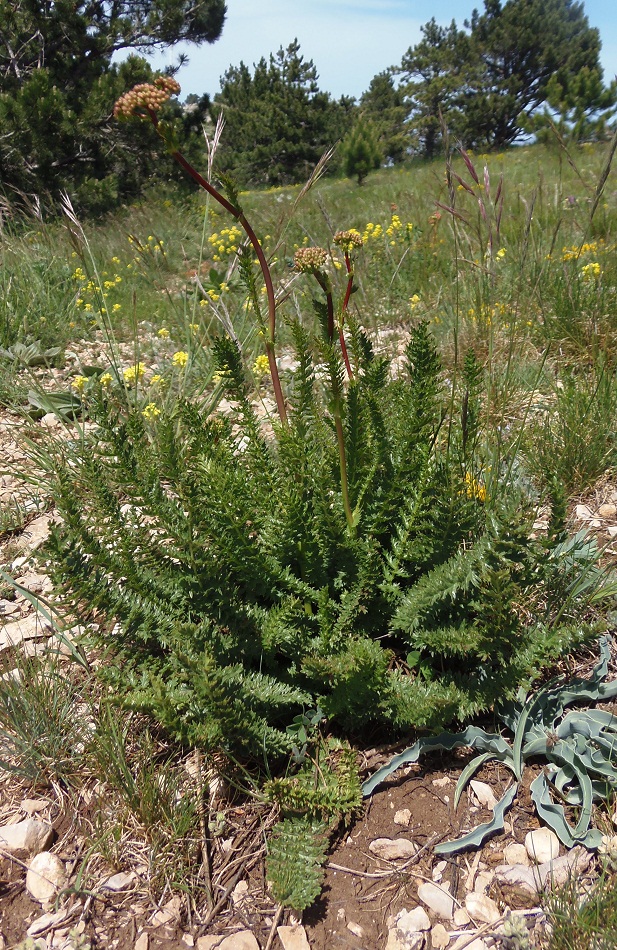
[
  {"x": 472, "y": 736},
  {"x": 477, "y": 837}
]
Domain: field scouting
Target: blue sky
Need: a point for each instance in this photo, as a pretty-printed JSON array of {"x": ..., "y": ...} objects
[{"x": 349, "y": 41}]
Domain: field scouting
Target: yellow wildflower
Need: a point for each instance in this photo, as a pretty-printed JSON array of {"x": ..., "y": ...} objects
[
  {"x": 151, "y": 411},
  {"x": 261, "y": 366},
  {"x": 473, "y": 488},
  {"x": 79, "y": 383},
  {"x": 180, "y": 358},
  {"x": 591, "y": 271},
  {"x": 163, "y": 333},
  {"x": 134, "y": 373}
]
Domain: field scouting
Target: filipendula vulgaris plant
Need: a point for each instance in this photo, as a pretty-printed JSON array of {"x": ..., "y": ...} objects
[{"x": 355, "y": 554}]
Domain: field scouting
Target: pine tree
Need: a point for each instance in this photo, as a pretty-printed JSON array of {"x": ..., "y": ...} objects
[
  {"x": 58, "y": 86},
  {"x": 485, "y": 83},
  {"x": 278, "y": 123},
  {"x": 361, "y": 151},
  {"x": 384, "y": 104}
]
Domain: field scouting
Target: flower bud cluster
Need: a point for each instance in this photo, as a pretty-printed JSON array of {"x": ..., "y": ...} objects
[
  {"x": 348, "y": 240},
  {"x": 146, "y": 97},
  {"x": 310, "y": 260}
]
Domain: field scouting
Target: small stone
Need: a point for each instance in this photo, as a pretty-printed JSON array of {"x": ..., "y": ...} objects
[
  {"x": 515, "y": 854},
  {"x": 484, "y": 794},
  {"x": 401, "y": 941},
  {"x": 355, "y": 929},
  {"x": 481, "y": 907},
  {"x": 402, "y": 817},
  {"x": 557, "y": 872},
  {"x": 583, "y": 513},
  {"x": 612, "y": 530},
  {"x": 542, "y": 845},
  {"x": 519, "y": 875},
  {"x": 292, "y": 938},
  {"x": 26, "y": 838},
  {"x": 437, "y": 899},
  {"x": 119, "y": 882},
  {"x": 50, "y": 421},
  {"x": 36, "y": 532},
  {"x": 461, "y": 917},
  {"x": 46, "y": 877},
  {"x": 440, "y": 938},
  {"x": 239, "y": 893},
  {"x": 46, "y": 922},
  {"x": 169, "y": 913},
  {"x": 393, "y": 849},
  {"x": 142, "y": 942},
  {"x": 243, "y": 940},
  {"x": 442, "y": 782},
  {"x": 31, "y": 627},
  {"x": 188, "y": 940},
  {"x": 412, "y": 921},
  {"x": 33, "y": 805},
  {"x": 483, "y": 882},
  {"x": 607, "y": 510},
  {"x": 35, "y": 583},
  {"x": 464, "y": 943}
]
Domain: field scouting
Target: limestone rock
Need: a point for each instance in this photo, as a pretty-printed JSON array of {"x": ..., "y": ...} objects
[
  {"x": 46, "y": 877},
  {"x": 413, "y": 921},
  {"x": 292, "y": 938},
  {"x": 32, "y": 627},
  {"x": 437, "y": 899},
  {"x": 519, "y": 875},
  {"x": 481, "y": 907},
  {"x": 33, "y": 805},
  {"x": 542, "y": 845},
  {"x": 402, "y": 817},
  {"x": 393, "y": 849},
  {"x": 142, "y": 942},
  {"x": 397, "y": 940},
  {"x": 461, "y": 917},
  {"x": 484, "y": 794},
  {"x": 36, "y": 532},
  {"x": 464, "y": 943},
  {"x": 557, "y": 872},
  {"x": 516, "y": 854},
  {"x": 119, "y": 882},
  {"x": 26, "y": 838},
  {"x": 46, "y": 922},
  {"x": 440, "y": 938},
  {"x": 355, "y": 929},
  {"x": 169, "y": 913}
]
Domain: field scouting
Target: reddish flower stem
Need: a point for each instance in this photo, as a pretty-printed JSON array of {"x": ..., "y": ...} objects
[
  {"x": 263, "y": 264},
  {"x": 343, "y": 311}
]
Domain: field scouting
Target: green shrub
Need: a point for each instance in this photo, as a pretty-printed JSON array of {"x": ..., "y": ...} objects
[
  {"x": 355, "y": 554},
  {"x": 242, "y": 591}
]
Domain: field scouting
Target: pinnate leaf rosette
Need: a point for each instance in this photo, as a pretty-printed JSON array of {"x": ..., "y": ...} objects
[
  {"x": 349, "y": 240},
  {"x": 310, "y": 260},
  {"x": 145, "y": 98}
]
